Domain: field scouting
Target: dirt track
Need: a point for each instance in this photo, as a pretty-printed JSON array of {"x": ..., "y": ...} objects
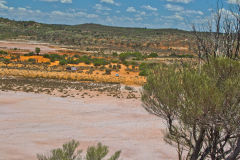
[{"x": 32, "y": 123}]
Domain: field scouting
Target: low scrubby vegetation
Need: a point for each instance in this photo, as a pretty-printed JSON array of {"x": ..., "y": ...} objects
[{"x": 69, "y": 151}]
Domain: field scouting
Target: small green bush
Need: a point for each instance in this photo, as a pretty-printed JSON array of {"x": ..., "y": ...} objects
[
  {"x": 29, "y": 54},
  {"x": 32, "y": 60},
  {"x": 153, "y": 55},
  {"x": 63, "y": 62},
  {"x": 173, "y": 55},
  {"x": 108, "y": 71},
  {"x": 69, "y": 152},
  {"x": 3, "y": 52}
]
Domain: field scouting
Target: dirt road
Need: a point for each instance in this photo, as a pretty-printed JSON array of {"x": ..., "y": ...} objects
[{"x": 32, "y": 123}]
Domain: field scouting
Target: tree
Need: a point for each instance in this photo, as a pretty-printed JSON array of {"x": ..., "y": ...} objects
[
  {"x": 220, "y": 36},
  {"x": 201, "y": 107},
  {"x": 37, "y": 50},
  {"x": 69, "y": 152}
]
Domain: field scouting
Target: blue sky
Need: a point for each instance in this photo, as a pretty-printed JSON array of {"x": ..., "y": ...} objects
[{"x": 127, "y": 13}]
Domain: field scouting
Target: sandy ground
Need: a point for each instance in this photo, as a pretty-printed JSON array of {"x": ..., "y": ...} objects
[
  {"x": 28, "y": 45},
  {"x": 34, "y": 123}
]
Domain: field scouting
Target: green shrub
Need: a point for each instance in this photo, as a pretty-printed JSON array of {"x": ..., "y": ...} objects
[
  {"x": 118, "y": 66},
  {"x": 174, "y": 55},
  {"x": 69, "y": 152},
  {"x": 76, "y": 56},
  {"x": 32, "y": 60},
  {"x": 115, "y": 61},
  {"x": 114, "y": 54},
  {"x": 6, "y": 61},
  {"x": 153, "y": 55},
  {"x": 29, "y": 54},
  {"x": 99, "y": 62},
  {"x": 63, "y": 62},
  {"x": 108, "y": 71},
  {"x": 3, "y": 52},
  {"x": 54, "y": 57},
  {"x": 37, "y": 50},
  {"x": 125, "y": 55}
]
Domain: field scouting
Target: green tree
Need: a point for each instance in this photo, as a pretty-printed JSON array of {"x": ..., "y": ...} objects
[
  {"x": 69, "y": 152},
  {"x": 201, "y": 107},
  {"x": 37, "y": 50}
]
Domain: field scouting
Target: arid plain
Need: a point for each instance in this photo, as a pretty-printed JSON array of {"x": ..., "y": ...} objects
[{"x": 36, "y": 123}]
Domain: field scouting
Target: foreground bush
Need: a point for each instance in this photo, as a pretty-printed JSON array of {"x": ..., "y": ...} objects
[
  {"x": 201, "y": 107},
  {"x": 69, "y": 152}
]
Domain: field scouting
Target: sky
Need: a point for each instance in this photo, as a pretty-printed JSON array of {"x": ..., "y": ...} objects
[{"x": 125, "y": 13}]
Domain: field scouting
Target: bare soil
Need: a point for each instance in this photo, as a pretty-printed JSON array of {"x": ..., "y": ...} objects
[
  {"x": 36, "y": 123},
  {"x": 28, "y": 46}
]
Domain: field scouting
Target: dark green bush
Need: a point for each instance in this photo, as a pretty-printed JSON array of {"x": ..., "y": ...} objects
[
  {"x": 63, "y": 62},
  {"x": 173, "y": 55},
  {"x": 29, "y": 54},
  {"x": 32, "y": 60},
  {"x": 153, "y": 55},
  {"x": 108, "y": 71},
  {"x": 3, "y": 52}
]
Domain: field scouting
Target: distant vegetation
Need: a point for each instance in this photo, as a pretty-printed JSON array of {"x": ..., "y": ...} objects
[{"x": 98, "y": 37}]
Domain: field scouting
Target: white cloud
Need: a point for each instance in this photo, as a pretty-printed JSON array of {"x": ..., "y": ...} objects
[
  {"x": 180, "y": 1},
  {"x": 142, "y": 13},
  {"x": 22, "y": 9},
  {"x": 101, "y": 7},
  {"x": 175, "y": 17},
  {"x": 233, "y": 1},
  {"x": 148, "y": 7},
  {"x": 171, "y": 7},
  {"x": 73, "y": 14},
  {"x": 131, "y": 9},
  {"x": 2, "y": 5},
  {"x": 110, "y": 2},
  {"x": 191, "y": 12},
  {"x": 62, "y": 1},
  {"x": 66, "y": 1}
]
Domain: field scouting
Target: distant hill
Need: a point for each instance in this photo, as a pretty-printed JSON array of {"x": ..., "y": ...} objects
[{"x": 99, "y": 37}]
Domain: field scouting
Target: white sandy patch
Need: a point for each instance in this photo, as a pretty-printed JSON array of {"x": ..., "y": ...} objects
[{"x": 33, "y": 123}]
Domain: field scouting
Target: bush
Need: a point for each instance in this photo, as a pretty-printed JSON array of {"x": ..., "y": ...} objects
[
  {"x": 200, "y": 105},
  {"x": 76, "y": 56},
  {"x": 124, "y": 56},
  {"x": 85, "y": 59},
  {"x": 6, "y": 61},
  {"x": 114, "y": 54},
  {"x": 29, "y": 54},
  {"x": 63, "y": 62},
  {"x": 118, "y": 66},
  {"x": 173, "y": 55},
  {"x": 153, "y": 55},
  {"x": 99, "y": 62},
  {"x": 115, "y": 61},
  {"x": 32, "y": 60},
  {"x": 37, "y": 50},
  {"x": 54, "y": 57},
  {"x": 108, "y": 71},
  {"x": 143, "y": 73},
  {"x": 3, "y": 52},
  {"x": 69, "y": 152}
]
